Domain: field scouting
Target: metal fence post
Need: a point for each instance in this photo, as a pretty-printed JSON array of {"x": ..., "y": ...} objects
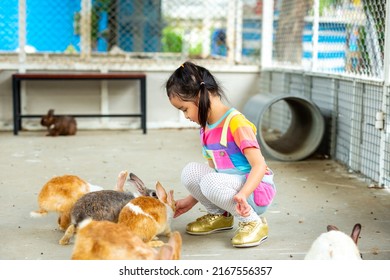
[
  {"x": 316, "y": 25},
  {"x": 85, "y": 30},
  {"x": 267, "y": 34},
  {"x": 384, "y": 159}
]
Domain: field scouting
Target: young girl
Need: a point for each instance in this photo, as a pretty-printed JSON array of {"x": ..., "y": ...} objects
[{"x": 236, "y": 182}]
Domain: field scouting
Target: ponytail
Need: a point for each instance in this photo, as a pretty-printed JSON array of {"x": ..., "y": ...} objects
[
  {"x": 191, "y": 82},
  {"x": 204, "y": 105}
]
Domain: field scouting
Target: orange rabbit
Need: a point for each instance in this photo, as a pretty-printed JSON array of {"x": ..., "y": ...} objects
[
  {"x": 60, "y": 193},
  {"x": 106, "y": 240}
]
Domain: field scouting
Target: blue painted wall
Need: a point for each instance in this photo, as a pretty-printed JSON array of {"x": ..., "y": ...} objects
[{"x": 50, "y": 25}]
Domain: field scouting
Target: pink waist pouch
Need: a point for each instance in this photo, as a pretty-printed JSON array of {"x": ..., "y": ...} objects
[
  {"x": 265, "y": 191},
  {"x": 264, "y": 194}
]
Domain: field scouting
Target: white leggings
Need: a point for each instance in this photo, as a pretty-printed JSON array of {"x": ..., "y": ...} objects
[{"x": 215, "y": 191}]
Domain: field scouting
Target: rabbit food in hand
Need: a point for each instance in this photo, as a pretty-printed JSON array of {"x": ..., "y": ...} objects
[
  {"x": 59, "y": 195},
  {"x": 336, "y": 245},
  {"x": 104, "y": 204},
  {"x": 105, "y": 240},
  {"x": 59, "y": 125},
  {"x": 149, "y": 217}
]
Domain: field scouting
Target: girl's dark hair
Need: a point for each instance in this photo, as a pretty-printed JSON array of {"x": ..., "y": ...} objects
[{"x": 190, "y": 82}]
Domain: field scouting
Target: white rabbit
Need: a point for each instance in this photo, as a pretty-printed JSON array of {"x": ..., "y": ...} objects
[{"x": 335, "y": 245}]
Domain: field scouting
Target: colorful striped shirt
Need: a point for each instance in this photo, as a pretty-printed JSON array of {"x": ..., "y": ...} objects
[{"x": 241, "y": 134}]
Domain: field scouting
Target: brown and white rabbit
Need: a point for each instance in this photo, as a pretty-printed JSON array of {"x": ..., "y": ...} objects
[
  {"x": 59, "y": 125},
  {"x": 103, "y": 205},
  {"x": 335, "y": 245},
  {"x": 149, "y": 217},
  {"x": 105, "y": 240}
]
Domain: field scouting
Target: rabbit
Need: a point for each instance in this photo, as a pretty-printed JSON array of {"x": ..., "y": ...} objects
[
  {"x": 103, "y": 205},
  {"x": 336, "y": 245},
  {"x": 59, "y": 194},
  {"x": 59, "y": 125},
  {"x": 149, "y": 217},
  {"x": 106, "y": 240}
]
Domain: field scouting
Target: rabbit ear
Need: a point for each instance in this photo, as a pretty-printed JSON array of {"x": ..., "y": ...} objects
[
  {"x": 171, "y": 250},
  {"x": 50, "y": 112},
  {"x": 138, "y": 183},
  {"x": 120, "y": 183},
  {"x": 356, "y": 232},
  {"x": 331, "y": 227},
  {"x": 135, "y": 179},
  {"x": 166, "y": 252},
  {"x": 175, "y": 241},
  {"x": 161, "y": 193},
  {"x": 170, "y": 198}
]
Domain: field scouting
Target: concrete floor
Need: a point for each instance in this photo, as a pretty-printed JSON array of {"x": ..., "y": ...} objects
[{"x": 311, "y": 194}]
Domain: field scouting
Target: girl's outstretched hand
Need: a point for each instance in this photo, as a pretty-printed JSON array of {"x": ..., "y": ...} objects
[
  {"x": 242, "y": 206},
  {"x": 183, "y": 205}
]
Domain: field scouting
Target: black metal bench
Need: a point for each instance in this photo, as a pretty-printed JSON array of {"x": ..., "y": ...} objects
[{"x": 18, "y": 78}]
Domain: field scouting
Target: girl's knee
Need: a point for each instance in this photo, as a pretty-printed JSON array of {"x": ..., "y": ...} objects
[
  {"x": 209, "y": 185},
  {"x": 189, "y": 167},
  {"x": 193, "y": 172},
  {"x": 187, "y": 174}
]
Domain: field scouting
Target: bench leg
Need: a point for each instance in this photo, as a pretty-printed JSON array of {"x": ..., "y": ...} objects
[
  {"x": 16, "y": 105},
  {"x": 143, "y": 104}
]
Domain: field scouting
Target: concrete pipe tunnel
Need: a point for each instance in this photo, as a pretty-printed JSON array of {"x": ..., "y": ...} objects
[{"x": 289, "y": 128}]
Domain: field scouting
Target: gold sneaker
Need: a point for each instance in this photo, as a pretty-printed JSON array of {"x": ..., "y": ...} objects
[
  {"x": 251, "y": 234},
  {"x": 209, "y": 224}
]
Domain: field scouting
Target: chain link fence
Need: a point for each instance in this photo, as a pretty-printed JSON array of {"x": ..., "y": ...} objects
[
  {"x": 325, "y": 36},
  {"x": 332, "y": 51},
  {"x": 330, "y": 36},
  {"x": 105, "y": 31}
]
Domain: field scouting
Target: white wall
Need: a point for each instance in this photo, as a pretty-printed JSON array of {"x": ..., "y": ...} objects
[{"x": 84, "y": 97}]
